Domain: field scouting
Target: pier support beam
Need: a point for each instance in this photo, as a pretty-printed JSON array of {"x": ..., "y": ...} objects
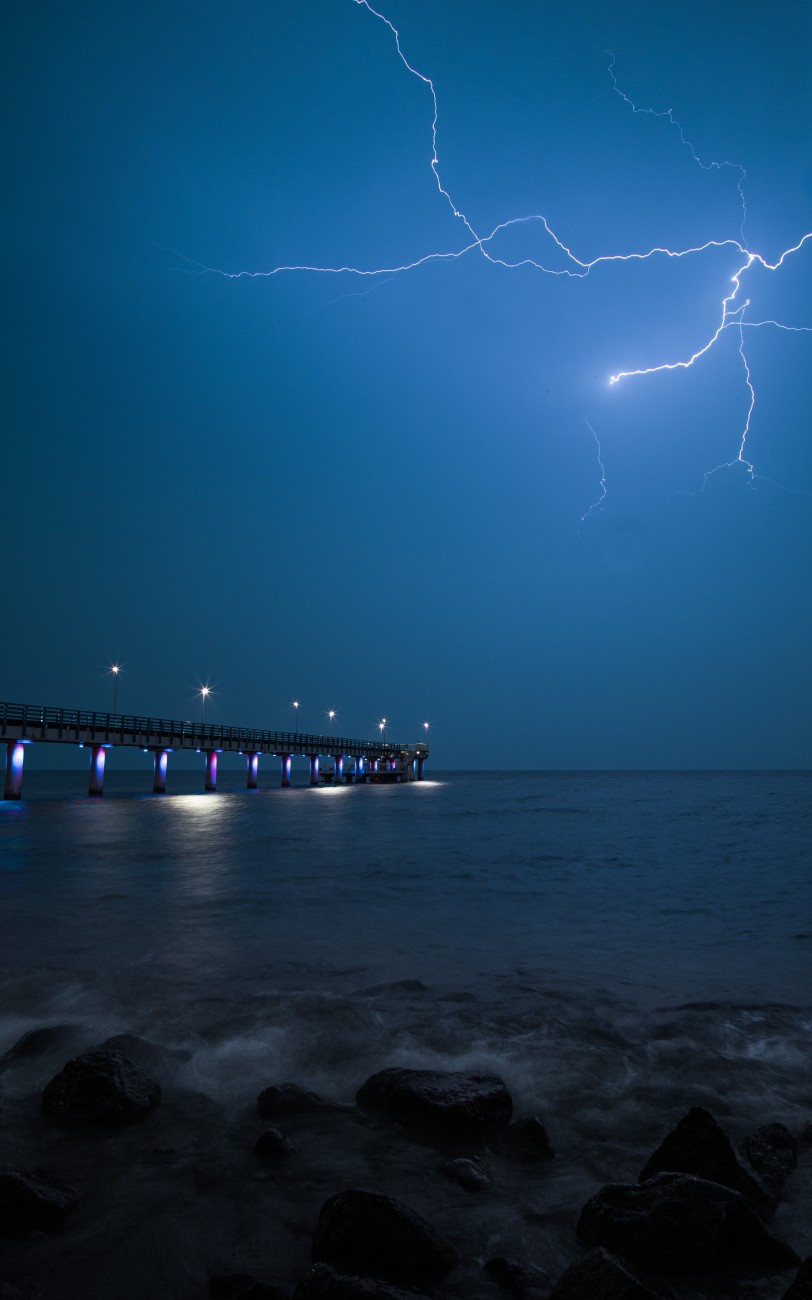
[
  {"x": 314, "y": 768},
  {"x": 421, "y": 763},
  {"x": 96, "y": 784},
  {"x": 338, "y": 760},
  {"x": 359, "y": 768},
  {"x": 286, "y": 761},
  {"x": 161, "y": 759},
  {"x": 252, "y": 771},
  {"x": 13, "y": 785},
  {"x": 211, "y": 769}
]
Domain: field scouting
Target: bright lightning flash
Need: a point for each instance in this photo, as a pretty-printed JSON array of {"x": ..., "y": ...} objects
[{"x": 732, "y": 308}]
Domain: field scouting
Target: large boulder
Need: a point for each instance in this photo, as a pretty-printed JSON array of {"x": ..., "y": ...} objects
[
  {"x": 527, "y": 1281},
  {"x": 450, "y": 1101},
  {"x": 601, "y": 1276},
  {"x": 773, "y": 1152},
  {"x": 100, "y": 1087},
  {"x": 676, "y": 1223},
  {"x": 32, "y": 1202},
  {"x": 273, "y": 1145},
  {"x": 366, "y": 1234},
  {"x": 38, "y": 1042},
  {"x": 700, "y": 1147},
  {"x": 323, "y": 1283}
]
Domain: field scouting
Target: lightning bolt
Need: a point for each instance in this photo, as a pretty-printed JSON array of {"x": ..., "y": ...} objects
[{"x": 733, "y": 306}]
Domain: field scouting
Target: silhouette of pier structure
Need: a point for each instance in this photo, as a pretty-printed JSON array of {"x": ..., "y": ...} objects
[{"x": 368, "y": 761}]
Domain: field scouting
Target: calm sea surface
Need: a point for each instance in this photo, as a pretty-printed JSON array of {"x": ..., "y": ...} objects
[{"x": 617, "y": 946}]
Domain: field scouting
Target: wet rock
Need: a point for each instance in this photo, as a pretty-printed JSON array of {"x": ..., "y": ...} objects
[
  {"x": 447, "y": 1100},
  {"x": 37, "y": 1042},
  {"x": 527, "y": 1140},
  {"x": 700, "y": 1147},
  {"x": 323, "y": 1283},
  {"x": 773, "y": 1152},
  {"x": 470, "y": 1173},
  {"x": 272, "y": 1145},
  {"x": 676, "y": 1223},
  {"x": 32, "y": 1202},
  {"x": 801, "y": 1288},
  {"x": 366, "y": 1234},
  {"x": 100, "y": 1087},
  {"x": 602, "y": 1276},
  {"x": 242, "y": 1286},
  {"x": 525, "y": 1280},
  {"x": 150, "y": 1056},
  {"x": 288, "y": 1099}
]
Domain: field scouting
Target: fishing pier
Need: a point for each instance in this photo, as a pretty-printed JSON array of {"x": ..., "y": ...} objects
[{"x": 367, "y": 761}]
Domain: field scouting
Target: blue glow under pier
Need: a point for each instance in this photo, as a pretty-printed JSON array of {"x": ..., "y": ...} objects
[{"x": 353, "y": 760}]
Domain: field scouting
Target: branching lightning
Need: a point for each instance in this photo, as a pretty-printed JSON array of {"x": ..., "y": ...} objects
[{"x": 733, "y": 305}]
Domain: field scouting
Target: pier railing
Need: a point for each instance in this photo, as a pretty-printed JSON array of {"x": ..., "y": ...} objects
[{"x": 80, "y": 726}]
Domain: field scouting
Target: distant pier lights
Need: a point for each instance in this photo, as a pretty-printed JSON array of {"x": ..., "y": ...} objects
[{"x": 353, "y": 761}]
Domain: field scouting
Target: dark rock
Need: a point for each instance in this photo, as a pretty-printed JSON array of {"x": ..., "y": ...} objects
[
  {"x": 242, "y": 1286},
  {"x": 323, "y": 1283},
  {"x": 273, "y": 1145},
  {"x": 261, "y": 1291},
  {"x": 676, "y": 1223},
  {"x": 700, "y": 1147},
  {"x": 100, "y": 1087},
  {"x": 366, "y": 1234},
  {"x": 288, "y": 1099},
  {"x": 150, "y": 1056},
  {"x": 37, "y": 1042},
  {"x": 525, "y": 1280},
  {"x": 801, "y": 1288},
  {"x": 806, "y": 1135},
  {"x": 773, "y": 1152},
  {"x": 470, "y": 1173},
  {"x": 602, "y": 1276},
  {"x": 32, "y": 1202},
  {"x": 227, "y": 1286},
  {"x": 527, "y": 1140},
  {"x": 446, "y": 1099}
]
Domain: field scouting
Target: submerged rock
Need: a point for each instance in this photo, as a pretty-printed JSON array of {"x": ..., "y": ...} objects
[
  {"x": 32, "y": 1202},
  {"x": 449, "y": 1100},
  {"x": 100, "y": 1087},
  {"x": 367, "y": 1234},
  {"x": 525, "y": 1280},
  {"x": 36, "y": 1042},
  {"x": 527, "y": 1140},
  {"x": 149, "y": 1056},
  {"x": 272, "y": 1145},
  {"x": 801, "y": 1288},
  {"x": 602, "y": 1276},
  {"x": 470, "y": 1173},
  {"x": 288, "y": 1099},
  {"x": 323, "y": 1283},
  {"x": 676, "y": 1223},
  {"x": 773, "y": 1152},
  {"x": 700, "y": 1147}
]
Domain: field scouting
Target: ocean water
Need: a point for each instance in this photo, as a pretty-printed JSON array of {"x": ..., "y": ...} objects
[{"x": 617, "y": 946}]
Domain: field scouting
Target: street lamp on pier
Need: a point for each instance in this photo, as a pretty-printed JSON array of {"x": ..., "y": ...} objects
[
  {"x": 115, "y": 669},
  {"x": 295, "y": 707},
  {"x": 205, "y": 692},
  {"x": 331, "y": 714}
]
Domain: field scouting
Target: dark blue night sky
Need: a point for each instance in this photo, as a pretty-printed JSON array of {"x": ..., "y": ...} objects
[{"x": 370, "y": 493}]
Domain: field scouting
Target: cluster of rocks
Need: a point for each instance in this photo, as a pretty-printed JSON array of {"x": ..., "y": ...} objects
[{"x": 695, "y": 1207}]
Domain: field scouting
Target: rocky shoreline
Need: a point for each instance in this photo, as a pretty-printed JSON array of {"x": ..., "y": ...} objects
[{"x": 118, "y": 1182}]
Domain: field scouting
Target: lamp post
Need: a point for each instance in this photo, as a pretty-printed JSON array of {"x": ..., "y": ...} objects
[
  {"x": 115, "y": 669},
  {"x": 331, "y": 714},
  {"x": 205, "y": 692},
  {"x": 382, "y": 729},
  {"x": 426, "y": 729},
  {"x": 295, "y": 707}
]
